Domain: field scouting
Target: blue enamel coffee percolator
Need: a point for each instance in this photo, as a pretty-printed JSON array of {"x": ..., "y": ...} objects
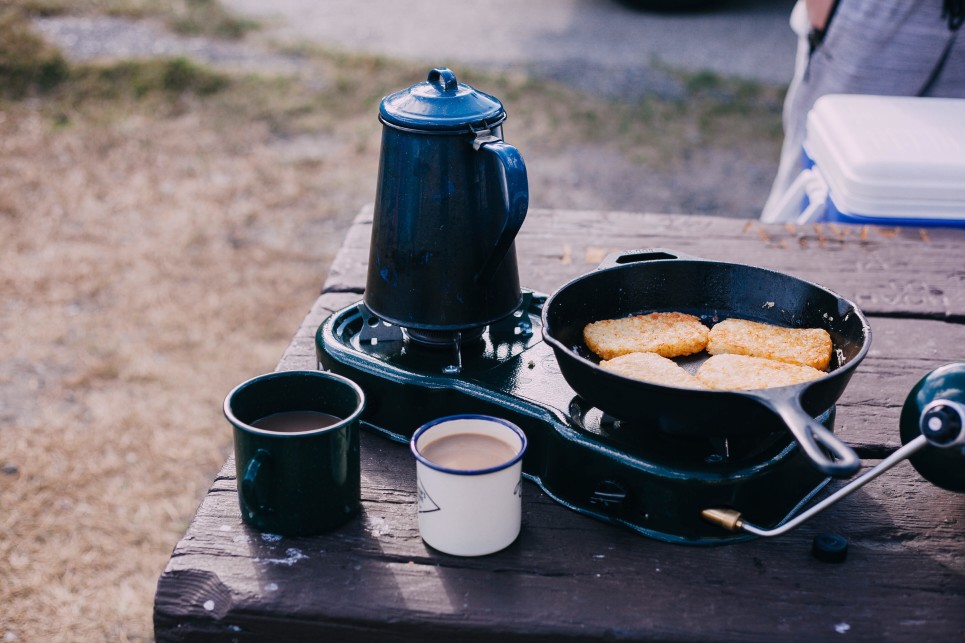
[{"x": 451, "y": 197}]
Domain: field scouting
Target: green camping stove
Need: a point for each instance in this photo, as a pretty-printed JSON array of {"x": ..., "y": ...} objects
[{"x": 635, "y": 476}]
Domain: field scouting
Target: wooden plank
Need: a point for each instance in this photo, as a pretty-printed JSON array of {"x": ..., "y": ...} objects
[
  {"x": 571, "y": 577},
  {"x": 886, "y": 271},
  {"x": 567, "y": 574},
  {"x": 878, "y": 268},
  {"x": 906, "y": 537}
]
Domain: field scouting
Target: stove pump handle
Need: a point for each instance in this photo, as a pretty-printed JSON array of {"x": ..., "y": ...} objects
[{"x": 933, "y": 439}]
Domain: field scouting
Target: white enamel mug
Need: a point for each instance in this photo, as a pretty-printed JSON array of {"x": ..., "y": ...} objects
[{"x": 469, "y": 494}]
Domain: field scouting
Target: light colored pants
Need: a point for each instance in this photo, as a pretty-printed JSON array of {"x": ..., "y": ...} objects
[{"x": 881, "y": 47}]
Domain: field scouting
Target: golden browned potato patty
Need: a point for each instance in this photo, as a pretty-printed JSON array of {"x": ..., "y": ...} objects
[
  {"x": 651, "y": 367},
  {"x": 667, "y": 334},
  {"x": 742, "y": 372},
  {"x": 807, "y": 346}
]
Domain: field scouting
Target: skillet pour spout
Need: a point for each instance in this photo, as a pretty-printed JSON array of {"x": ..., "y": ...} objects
[{"x": 650, "y": 280}]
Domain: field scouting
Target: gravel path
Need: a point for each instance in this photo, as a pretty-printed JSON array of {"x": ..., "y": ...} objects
[
  {"x": 598, "y": 46},
  {"x": 85, "y": 38}
]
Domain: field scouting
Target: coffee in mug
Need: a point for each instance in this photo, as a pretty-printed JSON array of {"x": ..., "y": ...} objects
[
  {"x": 469, "y": 451},
  {"x": 295, "y": 421}
]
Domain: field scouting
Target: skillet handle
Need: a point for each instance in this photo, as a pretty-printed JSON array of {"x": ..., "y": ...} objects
[
  {"x": 811, "y": 435},
  {"x": 624, "y": 257}
]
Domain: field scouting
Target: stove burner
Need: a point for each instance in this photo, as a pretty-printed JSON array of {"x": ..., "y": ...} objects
[
  {"x": 456, "y": 341},
  {"x": 446, "y": 351},
  {"x": 443, "y": 338},
  {"x": 681, "y": 451}
]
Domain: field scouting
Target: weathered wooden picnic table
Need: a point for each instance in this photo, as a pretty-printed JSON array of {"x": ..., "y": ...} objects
[{"x": 570, "y": 577}]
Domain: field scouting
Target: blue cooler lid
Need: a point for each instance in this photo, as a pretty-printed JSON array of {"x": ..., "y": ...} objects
[{"x": 442, "y": 105}]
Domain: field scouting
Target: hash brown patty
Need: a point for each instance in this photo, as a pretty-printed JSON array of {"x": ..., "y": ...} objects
[
  {"x": 805, "y": 346},
  {"x": 651, "y": 367},
  {"x": 670, "y": 334},
  {"x": 743, "y": 372}
]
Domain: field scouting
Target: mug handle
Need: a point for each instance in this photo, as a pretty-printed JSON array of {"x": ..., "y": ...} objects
[
  {"x": 514, "y": 186},
  {"x": 257, "y": 502}
]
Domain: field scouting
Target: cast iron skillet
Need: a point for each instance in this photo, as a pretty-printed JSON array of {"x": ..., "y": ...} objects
[{"x": 644, "y": 281}]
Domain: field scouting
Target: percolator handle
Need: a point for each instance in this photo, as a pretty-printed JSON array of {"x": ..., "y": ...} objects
[{"x": 514, "y": 187}]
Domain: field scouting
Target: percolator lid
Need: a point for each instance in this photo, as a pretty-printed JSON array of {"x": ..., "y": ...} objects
[{"x": 441, "y": 104}]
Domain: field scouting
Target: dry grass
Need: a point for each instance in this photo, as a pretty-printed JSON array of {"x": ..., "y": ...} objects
[
  {"x": 163, "y": 231},
  {"x": 26, "y": 61},
  {"x": 155, "y": 253},
  {"x": 183, "y": 16}
]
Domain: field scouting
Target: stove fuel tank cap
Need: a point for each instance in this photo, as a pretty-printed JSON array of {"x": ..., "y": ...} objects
[{"x": 935, "y": 409}]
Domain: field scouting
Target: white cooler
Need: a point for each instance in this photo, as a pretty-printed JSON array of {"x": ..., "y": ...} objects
[{"x": 883, "y": 160}]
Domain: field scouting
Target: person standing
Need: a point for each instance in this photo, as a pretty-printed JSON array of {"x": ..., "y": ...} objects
[{"x": 880, "y": 47}]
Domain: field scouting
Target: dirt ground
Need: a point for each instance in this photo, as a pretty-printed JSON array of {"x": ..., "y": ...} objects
[
  {"x": 157, "y": 250},
  {"x": 146, "y": 271}
]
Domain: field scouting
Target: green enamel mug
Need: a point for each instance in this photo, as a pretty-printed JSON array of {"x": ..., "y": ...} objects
[{"x": 296, "y": 442}]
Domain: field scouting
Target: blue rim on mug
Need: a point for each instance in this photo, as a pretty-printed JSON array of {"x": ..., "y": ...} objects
[
  {"x": 233, "y": 419},
  {"x": 468, "y": 472}
]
